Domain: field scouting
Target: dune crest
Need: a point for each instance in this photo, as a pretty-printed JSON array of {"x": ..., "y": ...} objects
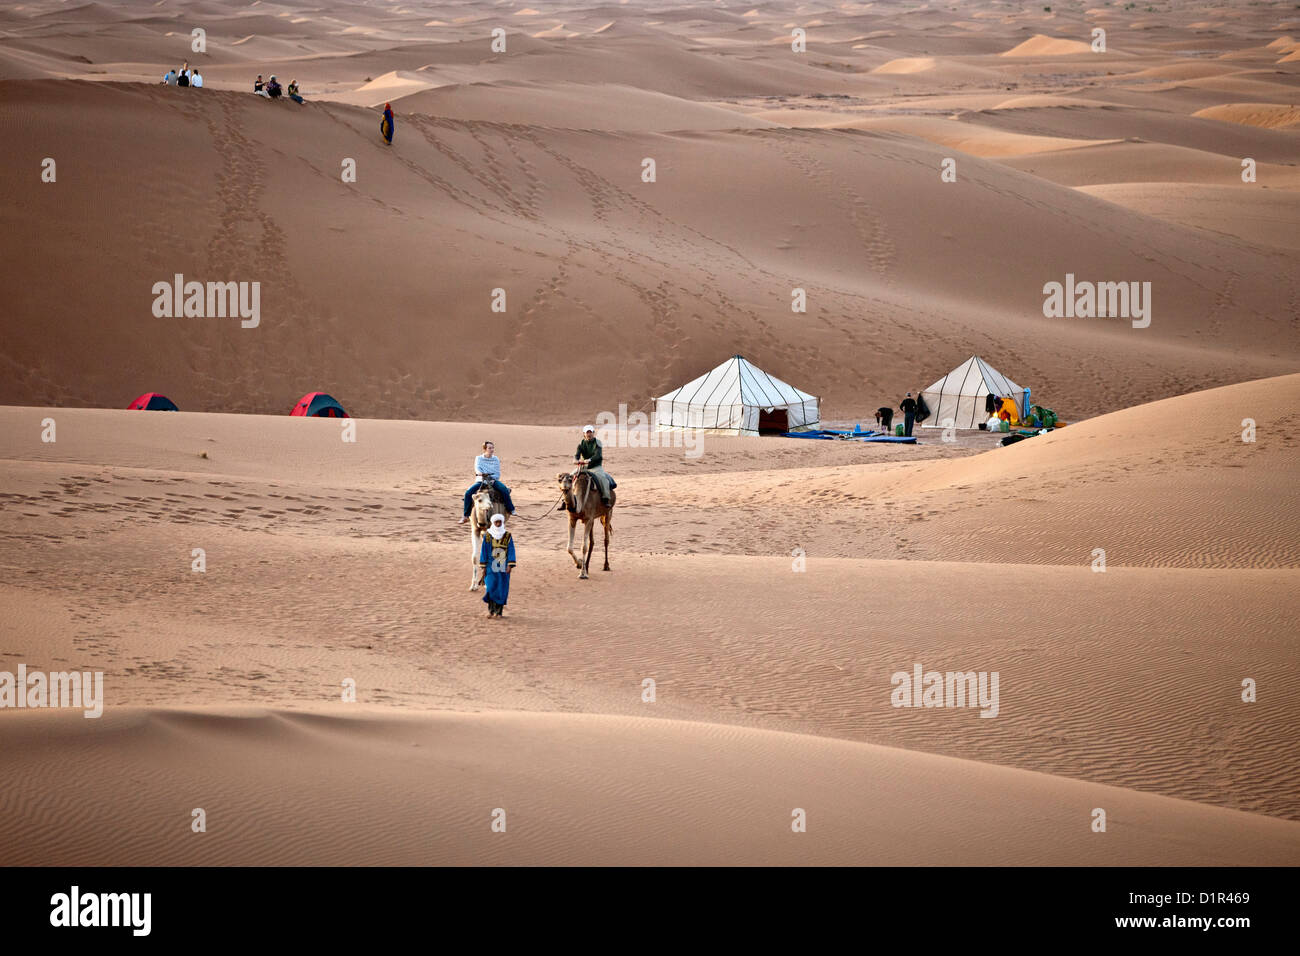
[
  {"x": 1042, "y": 45},
  {"x": 1265, "y": 115}
]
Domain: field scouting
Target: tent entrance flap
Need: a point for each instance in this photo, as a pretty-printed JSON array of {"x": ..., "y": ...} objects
[{"x": 773, "y": 421}]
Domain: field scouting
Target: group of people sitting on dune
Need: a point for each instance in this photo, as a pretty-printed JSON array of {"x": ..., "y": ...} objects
[
  {"x": 183, "y": 77},
  {"x": 272, "y": 89}
]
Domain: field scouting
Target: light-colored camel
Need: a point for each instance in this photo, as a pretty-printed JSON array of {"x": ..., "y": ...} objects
[
  {"x": 479, "y": 518},
  {"x": 582, "y": 501}
]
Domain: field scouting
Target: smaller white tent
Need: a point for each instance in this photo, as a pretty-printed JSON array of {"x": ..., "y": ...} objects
[
  {"x": 738, "y": 398},
  {"x": 961, "y": 395}
]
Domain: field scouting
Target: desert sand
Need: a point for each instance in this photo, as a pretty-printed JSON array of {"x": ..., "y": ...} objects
[{"x": 771, "y": 587}]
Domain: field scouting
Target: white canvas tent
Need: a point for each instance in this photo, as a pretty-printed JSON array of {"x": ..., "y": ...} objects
[
  {"x": 961, "y": 394},
  {"x": 738, "y": 398}
]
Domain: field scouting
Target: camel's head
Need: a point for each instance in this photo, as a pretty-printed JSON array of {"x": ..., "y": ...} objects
[
  {"x": 482, "y": 500},
  {"x": 565, "y": 478}
]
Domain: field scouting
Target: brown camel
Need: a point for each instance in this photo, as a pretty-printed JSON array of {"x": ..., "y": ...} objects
[
  {"x": 486, "y": 504},
  {"x": 582, "y": 501}
]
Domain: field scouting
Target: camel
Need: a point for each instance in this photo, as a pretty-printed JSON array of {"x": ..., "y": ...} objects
[
  {"x": 582, "y": 501},
  {"x": 485, "y": 506}
]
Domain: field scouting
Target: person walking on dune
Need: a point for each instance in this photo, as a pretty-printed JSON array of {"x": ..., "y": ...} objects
[
  {"x": 497, "y": 556},
  {"x": 386, "y": 124}
]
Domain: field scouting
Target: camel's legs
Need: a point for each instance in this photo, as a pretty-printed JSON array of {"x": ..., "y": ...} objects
[
  {"x": 573, "y": 523},
  {"x": 605, "y": 522},
  {"x": 475, "y": 543},
  {"x": 589, "y": 545}
]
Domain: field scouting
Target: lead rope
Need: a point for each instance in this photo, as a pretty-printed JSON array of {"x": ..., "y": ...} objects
[{"x": 544, "y": 513}]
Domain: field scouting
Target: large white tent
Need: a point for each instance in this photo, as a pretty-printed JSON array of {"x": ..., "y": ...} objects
[
  {"x": 738, "y": 398},
  {"x": 962, "y": 393}
]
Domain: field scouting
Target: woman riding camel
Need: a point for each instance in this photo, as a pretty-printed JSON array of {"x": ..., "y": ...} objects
[
  {"x": 590, "y": 456},
  {"x": 487, "y": 467}
]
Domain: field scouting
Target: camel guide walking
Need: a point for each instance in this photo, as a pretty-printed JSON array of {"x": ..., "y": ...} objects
[{"x": 497, "y": 556}]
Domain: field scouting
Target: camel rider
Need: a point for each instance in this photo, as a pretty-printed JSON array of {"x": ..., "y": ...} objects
[
  {"x": 487, "y": 467},
  {"x": 589, "y": 456}
]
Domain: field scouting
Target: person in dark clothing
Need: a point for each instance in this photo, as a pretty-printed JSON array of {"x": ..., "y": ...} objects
[
  {"x": 885, "y": 418},
  {"x": 273, "y": 87},
  {"x": 257, "y": 84},
  {"x": 908, "y": 407},
  {"x": 386, "y": 124},
  {"x": 293, "y": 92},
  {"x": 590, "y": 455}
]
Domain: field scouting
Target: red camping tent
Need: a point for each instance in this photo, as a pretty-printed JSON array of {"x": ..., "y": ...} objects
[
  {"x": 318, "y": 405},
  {"x": 152, "y": 401}
]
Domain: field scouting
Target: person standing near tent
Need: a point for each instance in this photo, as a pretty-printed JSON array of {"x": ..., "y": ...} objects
[
  {"x": 497, "y": 558},
  {"x": 908, "y": 407},
  {"x": 590, "y": 455},
  {"x": 487, "y": 467},
  {"x": 386, "y": 124}
]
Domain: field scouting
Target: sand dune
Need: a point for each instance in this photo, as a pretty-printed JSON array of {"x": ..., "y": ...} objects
[
  {"x": 596, "y": 241},
  {"x": 916, "y": 64},
  {"x": 576, "y": 106},
  {"x": 1196, "y": 437},
  {"x": 1252, "y": 215},
  {"x": 1150, "y": 163},
  {"x": 919, "y": 172},
  {"x": 1268, "y": 115},
  {"x": 620, "y": 790},
  {"x": 273, "y": 494},
  {"x": 1040, "y": 45}
]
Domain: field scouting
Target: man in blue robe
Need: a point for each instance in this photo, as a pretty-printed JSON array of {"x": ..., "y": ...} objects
[{"x": 497, "y": 558}]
